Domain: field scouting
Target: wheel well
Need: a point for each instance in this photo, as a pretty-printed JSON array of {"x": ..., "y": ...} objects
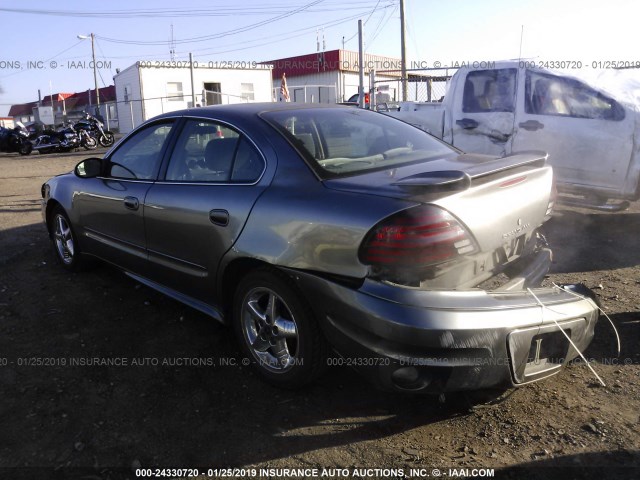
[
  {"x": 51, "y": 205},
  {"x": 233, "y": 273}
]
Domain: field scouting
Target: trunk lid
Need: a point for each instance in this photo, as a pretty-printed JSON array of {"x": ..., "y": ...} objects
[{"x": 498, "y": 200}]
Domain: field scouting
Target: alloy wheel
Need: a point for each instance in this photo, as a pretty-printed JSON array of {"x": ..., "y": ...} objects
[
  {"x": 270, "y": 329},
  {"x": 63, "y": 238}
]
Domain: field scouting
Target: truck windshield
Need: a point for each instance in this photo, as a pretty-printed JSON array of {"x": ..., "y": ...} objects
[{"x": 345, "y": 141}]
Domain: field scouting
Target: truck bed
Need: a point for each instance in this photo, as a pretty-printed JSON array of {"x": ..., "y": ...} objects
[{"x": 428, "y": 116}]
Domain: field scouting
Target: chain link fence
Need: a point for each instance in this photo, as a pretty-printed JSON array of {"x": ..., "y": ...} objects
[
  {"x": 424, "y": 85},
  {"x": 132, "y": 112},
  {"x": 308, "y": 93}
]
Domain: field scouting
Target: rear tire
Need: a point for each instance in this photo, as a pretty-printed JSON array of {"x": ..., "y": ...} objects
[
  {"x": 65, "y": 243},
  {"x": 277, "y": 329},
  {"x": 25, "y": 148}
]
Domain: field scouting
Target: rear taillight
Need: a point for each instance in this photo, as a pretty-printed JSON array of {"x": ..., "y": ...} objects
[{"x": 416, "y": 238}]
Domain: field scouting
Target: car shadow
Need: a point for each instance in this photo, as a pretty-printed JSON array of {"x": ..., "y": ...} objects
[
  {"x": 622, "y": 465},
  {"x": 14, "y": 241},
  {"x": 133, "y": 376},
  {"x": 80, "y": 153},
  {"x": 593, "y": 241},
  {"x": 130, "y": 370}
]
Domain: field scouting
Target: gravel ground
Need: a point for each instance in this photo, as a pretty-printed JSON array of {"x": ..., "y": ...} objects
[{"x": 157, "y": 410}]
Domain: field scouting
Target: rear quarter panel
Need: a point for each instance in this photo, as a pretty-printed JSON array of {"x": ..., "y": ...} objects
[{"x": 299, "y": 223}]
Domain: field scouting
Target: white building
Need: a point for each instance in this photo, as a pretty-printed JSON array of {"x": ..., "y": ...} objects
[
  {"x": 150, "y": 88},
  {"x": 333, "y": 76}
]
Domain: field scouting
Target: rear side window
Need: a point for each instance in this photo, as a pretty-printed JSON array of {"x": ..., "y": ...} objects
[
  {"x": 567, "y": 97},
  {"x": 489, "y": 91},
  {"x": 210, "y": 152}
]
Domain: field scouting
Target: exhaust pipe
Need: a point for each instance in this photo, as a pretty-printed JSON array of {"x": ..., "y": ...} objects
[{"x": 49, "y": 145}]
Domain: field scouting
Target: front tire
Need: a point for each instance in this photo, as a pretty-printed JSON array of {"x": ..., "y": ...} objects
[
  {"x": 277, "y": 330},
  {"x": 90, "y": 143},
  {"x": 65, "y": 244},
  {"x": 107, "y": 139}
]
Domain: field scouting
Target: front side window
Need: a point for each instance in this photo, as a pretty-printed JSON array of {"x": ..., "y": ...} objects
[
  {"x": 344, "y": 141},
  {"x": 211, "y": 152},
  {"x": 560, "y": 96},
  {"x": 490, "y": 91},
  {"x": 139, "y": 156}
]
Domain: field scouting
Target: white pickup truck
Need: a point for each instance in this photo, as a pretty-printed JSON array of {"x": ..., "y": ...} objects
[{"x": 591, "y": 137}]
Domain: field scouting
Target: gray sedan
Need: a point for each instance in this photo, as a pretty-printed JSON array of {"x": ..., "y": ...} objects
[{"x": 312, "y": 229}]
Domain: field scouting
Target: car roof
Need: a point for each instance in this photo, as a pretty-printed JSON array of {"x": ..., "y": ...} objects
[{"x": 248, "y": 108}]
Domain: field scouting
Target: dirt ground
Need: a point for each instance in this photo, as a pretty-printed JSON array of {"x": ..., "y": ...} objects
[{"x": 161, "y": 408}]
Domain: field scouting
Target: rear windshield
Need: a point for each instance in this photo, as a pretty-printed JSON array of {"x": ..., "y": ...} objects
[{"x": 346, "y": 141}]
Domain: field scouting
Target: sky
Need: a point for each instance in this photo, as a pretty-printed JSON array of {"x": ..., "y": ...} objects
[{"x": 40, "y": 48}]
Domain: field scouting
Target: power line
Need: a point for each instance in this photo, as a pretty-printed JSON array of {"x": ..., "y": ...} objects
[
  {"x": 104, "y": 57},
  {"x": 44, "y": 61},
  {"x": 234, "y": 31},
  {"x": 372, "y": 11},
  {"x": 365, "y": 22},
  {"x": 281, "y": 37},
  {"x": 286, "y": 36},
  {"x": 411, "y": 32},
  {"x": 385, "y": 24},
  {"x": 220, "y": 11},
  {"x": 63, "y": 51}
]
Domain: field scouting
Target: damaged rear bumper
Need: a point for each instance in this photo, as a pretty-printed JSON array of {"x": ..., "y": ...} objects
[{"x": 408, "y": 339}]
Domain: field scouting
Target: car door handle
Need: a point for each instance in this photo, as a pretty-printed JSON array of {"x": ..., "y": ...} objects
[
  {"x": 531, "y": 125},
  {"x": 131, "y": 203},
  {"x": 467, "y": 123},
  {"x": 219, "y": 217}
]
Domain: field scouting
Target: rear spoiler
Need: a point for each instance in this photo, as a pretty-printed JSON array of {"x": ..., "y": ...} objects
[
  {"x": 485, "y": 166},
  {"x": 475, "y": 167}
]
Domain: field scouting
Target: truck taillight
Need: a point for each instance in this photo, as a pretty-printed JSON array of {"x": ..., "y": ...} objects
[{"x": 416, "y": 238}]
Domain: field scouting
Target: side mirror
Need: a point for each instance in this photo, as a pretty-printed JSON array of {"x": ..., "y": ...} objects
[{"x": 89, "y": 168}]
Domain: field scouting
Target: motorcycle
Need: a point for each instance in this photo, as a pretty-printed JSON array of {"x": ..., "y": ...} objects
[
  {"x": 64, "y": 140},
  {"x": 96, "y": 129},
  {"x": 15, "y": 140}
]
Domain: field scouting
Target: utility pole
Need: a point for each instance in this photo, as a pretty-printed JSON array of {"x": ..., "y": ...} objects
[
  {"x": 360, "y": 65},
  {"x": 193, "y": 92},
  {"x": 403, "y": 52},
  {"x": 521, "y": 35},
  {"x": 172, "y": 46},
  {"x": 95, "y": 71}
]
